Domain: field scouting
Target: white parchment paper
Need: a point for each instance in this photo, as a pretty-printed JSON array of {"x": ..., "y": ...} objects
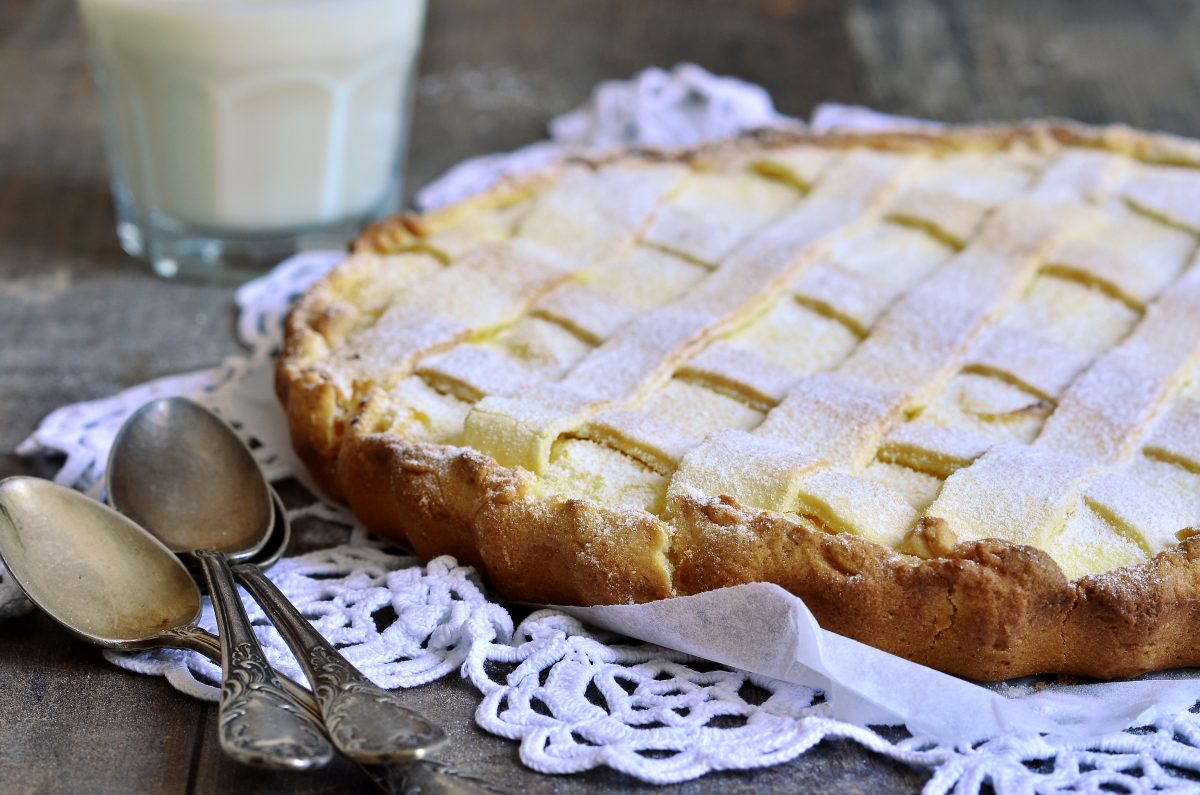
[{"x": 766, "y": 630}]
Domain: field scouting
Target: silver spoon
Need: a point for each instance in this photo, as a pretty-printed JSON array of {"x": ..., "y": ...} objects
[
  {"x": 258, "y": 723},
  {"x": 191, "y": 453},
  {"x": 111, "y": 583}
]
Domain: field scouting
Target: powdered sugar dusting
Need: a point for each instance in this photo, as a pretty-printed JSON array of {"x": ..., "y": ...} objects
[{"x": 1003, "y": 291}]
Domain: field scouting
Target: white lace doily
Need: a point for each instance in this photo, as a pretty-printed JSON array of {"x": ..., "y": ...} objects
[{"x": 574, "y": 697}]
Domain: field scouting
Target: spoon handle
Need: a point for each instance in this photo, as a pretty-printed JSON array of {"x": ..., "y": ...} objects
[
  {"x": 365, "y": 722},
  {"x": 258, "y": 723},
  {"x": 426, "y": 776},
  {"x": 203, "y": 642}
]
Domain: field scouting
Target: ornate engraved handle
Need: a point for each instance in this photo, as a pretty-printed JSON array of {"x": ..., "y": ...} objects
[
  {"x": 426, "y": 777},
  {"x": 366, "y": 723},
  {"x": 203, "y": 642},
  {"x": 258, "y": 724}
]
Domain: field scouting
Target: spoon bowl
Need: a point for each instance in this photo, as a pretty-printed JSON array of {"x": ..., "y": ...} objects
[
  {"x": 90, "y": 569},
  {"x": 172, "y": 450},
  {"x": 93, "y": 570}
]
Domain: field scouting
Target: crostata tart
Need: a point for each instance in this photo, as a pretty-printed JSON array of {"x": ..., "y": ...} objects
[{"x": 943, "y": 386}]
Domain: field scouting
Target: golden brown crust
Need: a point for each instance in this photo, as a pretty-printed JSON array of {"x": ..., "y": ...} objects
[
  {"x": 452, "y": 501},
  {"x": 986, "y": 610}
]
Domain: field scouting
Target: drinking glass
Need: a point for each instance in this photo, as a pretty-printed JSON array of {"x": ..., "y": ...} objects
[{"x": 240, "y": 131}]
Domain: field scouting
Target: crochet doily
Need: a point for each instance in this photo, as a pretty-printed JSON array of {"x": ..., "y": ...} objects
[{"x": 575, "y": 698}]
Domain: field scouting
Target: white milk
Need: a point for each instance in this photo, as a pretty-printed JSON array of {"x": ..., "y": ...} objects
[{"x": 255, "y": 115}]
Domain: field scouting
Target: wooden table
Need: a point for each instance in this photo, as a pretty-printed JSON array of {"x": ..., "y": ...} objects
[{"x": 80, "y": 320}]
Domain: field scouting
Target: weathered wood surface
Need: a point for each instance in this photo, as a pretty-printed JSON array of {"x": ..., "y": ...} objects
[{"x": 79, "y": 320}]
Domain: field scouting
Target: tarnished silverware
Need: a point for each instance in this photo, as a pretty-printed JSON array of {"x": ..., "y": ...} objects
[
  {"x": 93, "y": 570},
  {"x": 190, "y": 454},
  {"x": 109, "y": 582},
  {"x": 367, "y": 723},
  {"x": 154, "y": 462}
]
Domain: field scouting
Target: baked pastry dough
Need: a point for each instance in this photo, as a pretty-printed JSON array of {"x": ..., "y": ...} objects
[{"x": 943, "y": 386}]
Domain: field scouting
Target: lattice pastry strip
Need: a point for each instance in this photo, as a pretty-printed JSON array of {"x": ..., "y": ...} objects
[
  {"x": 841, "y": 418},
  {"x": 754, "y": 469},
  {"x": 590, "y": 314},
  {"x": 1177, "y": 437},
  {"x": 368, "y": 284},
  {"x": 690, "y": 405},
  {"x": 1029, "y": 359},
  {"x": 603, "y": 473},
  {"x": 1082, "y": 175},
  {"x": 712, "y": 213},
  {"x": 1172, "y": 194},
  {"x": 1127, "y": 254},
  {"x": 933, "y": 449},
  {"x": 796, "y": 338},
  {"x": 1072, "y": 315},
  {"x": 594, "y": 216},
  {"x": 1013, "y": 376},
  {"x": 855, "y": 504},
  {"x": 612, "y": 295},
  {"x": 798, "y": 166},
  {"x": 471, "y": 371},
  {"x": 866, "y": 272},
  {"x": 491, "y": 287},
  {"x": 1148, "y": 501},
  {"x": 639, "y": 357},
  {"x": 647, "y": 278},
  {"x": 970, "y": 415},
  {"x": 918, "y": 488},
  {"x": 1089, "y": 542},
  {"x": 655, "y": 441},
  {"x": 951, "y": 199},
  {"x": 1018, "y": 493},
  {"x": 834, "y": 418},
  {"x": 985, "y": 407},
  {"x": 674, "y": 419},
  {"x": 531, "y": 351},
  {"x": 1025, "y": 493},
  {"x": 423, "y": 413},
  {"x": 731, "y": 368},
  {"x": 1103, "y": 411},
  {"x": 520, "y": 430},
  {"x": 540, "y": 346},
  {"x": 480, "y": 228},
  {"x": 760, "y": 361}
]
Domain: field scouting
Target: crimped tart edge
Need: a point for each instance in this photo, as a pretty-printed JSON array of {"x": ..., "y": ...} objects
[{"x": 985, "y": 610}]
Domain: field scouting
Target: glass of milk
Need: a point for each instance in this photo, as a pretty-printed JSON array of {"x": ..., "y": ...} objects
[{"x": 240, "y": 131}]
